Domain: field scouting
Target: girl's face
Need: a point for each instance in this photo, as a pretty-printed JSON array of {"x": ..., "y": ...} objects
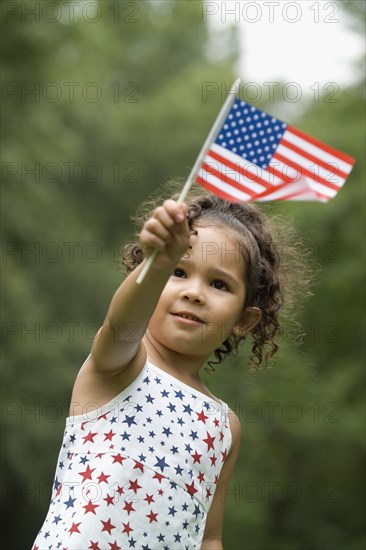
[{"x": 206, "y": 285}]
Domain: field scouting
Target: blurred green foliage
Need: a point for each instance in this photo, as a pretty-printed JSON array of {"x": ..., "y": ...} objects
[{"x": 117, "y": 108}]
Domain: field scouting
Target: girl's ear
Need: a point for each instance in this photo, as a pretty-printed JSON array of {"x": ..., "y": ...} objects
[{"x": 249, "y": 320}]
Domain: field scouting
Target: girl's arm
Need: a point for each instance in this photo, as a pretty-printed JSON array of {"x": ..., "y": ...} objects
[
  {"x": 209, "y": 544},
  {"x": 118, "y": 340}
]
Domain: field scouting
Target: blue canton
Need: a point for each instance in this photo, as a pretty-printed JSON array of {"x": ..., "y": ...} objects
[{"x": 251, "y": 133}]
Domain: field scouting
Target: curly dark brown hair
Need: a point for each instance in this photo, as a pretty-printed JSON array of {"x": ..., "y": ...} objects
[{"x": 278, "y": 274}]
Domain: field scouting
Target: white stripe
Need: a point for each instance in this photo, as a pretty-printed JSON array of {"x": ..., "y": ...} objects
[
  {"x": 221, "y": 185},
  {"x": 317, "y": 152},
  {"x": 285, "y": 170},
  {"x": 246, "y": 164},
  {"x": 309, "y": 165},
  {"x": 306, "y": 192},
  {"x": 236, "y": 176},
  {"x": 323, "y": 189}
]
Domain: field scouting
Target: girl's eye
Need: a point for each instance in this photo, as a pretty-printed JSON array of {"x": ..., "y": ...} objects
[
  {"x": 220, "y": 285},
  {"x": 178, "y": 272}
]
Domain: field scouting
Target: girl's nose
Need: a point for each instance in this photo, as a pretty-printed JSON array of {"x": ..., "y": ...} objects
[{"x": 193, "y": 294}]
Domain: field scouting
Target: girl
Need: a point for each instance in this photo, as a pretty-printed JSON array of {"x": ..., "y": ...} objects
[{"x": 148, "y": 465}]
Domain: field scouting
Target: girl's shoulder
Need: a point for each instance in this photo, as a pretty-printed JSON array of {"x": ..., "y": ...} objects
[{"x": 93, "y": 388}]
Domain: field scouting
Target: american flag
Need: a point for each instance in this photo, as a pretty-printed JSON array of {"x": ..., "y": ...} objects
[{"x": 257, "y": 157}]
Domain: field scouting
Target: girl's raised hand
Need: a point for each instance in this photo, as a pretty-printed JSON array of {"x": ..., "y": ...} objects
[{"x": 167, "y": 232}]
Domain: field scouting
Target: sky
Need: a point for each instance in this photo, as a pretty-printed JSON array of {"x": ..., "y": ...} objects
[{"x": 307, "y": 43}]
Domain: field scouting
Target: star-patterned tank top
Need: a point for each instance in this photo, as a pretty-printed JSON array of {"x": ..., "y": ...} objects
[{"x": 140, "y": 472}]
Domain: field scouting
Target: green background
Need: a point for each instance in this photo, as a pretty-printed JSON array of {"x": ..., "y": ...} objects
[{"x": 117, "y": 108}]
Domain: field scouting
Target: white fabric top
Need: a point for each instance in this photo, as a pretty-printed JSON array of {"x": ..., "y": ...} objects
[{"x": 139, "y": 472}]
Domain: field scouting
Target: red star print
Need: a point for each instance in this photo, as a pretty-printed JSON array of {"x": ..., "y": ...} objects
[
  {"x": 126, "y": 528},
  {"x": 109, "y": 435},
  {"x": 213, "y": 460},
  {"x": 87, "y": 474},
  {"x": 209, "y": 441},
  {"x": 90, "y": 437},
  {"x": 93, "y": 546},
  {"x": 161, "y": 492},
  {"x": 152, "y": 517},
  {"x": 201, "y": 416},
  {"x": 74, "y": 528},
  {"x": 216, "y": 479},
  {"x": 138, "y": 465},
  {"x": 118, "y": 458},
  {"x": 208, "y": 493},
  {"x": 196, "y": 458},
  {"x": 216, "y": 422},
  {"x": 221, "y": 436},
  {"x": 158, "y": 476},
  {"x": 134, "y": 486},
  {"x": 99, "y": 455},
  {"x": 149, "y": 498},
  {"x": 103, "y": 416},
  {"x": 191, "y": 488},
  {"x": 114, "y": 546},
  {"x": 103, "y": 477},
  {"x": 59, "y": 489},
  {"x": 120, "y": 490},
  {"x": 109, "y": 499},
  {"x": 223, "y": 455},
  {"x": 201, "y": 477},
  {"x": 129, "y": 508},
  {"x": 107, "y": 526},
  {"x": 90, "y": 507}
]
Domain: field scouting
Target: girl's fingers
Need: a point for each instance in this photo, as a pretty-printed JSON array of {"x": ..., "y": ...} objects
[
  {"x": 177, "y": 212},
  {"x": 166, "y": 229},
  {"x": 167, "y": 218},
  {"x": 164, "y": 217},
  {"x": 154, "y": 226},
  {"x": 152, "y": 240}
]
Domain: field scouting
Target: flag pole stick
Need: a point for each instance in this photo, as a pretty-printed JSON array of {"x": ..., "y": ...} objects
[{"x": 192, "y": 176}]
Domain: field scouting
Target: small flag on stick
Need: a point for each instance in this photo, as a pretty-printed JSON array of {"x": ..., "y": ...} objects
[
  {"x": 257, "y": 157},
  {"x": 199, "y": 160},
  {"x": 252, "y": 156}
]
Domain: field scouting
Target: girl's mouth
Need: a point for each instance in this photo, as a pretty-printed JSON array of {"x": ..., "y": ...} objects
[{"x": 187, "y": 317}]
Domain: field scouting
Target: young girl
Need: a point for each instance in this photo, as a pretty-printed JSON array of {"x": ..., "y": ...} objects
[{"x": 148, "y": 451}]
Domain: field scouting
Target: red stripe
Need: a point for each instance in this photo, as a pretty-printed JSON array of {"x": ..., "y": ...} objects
[
  {"x": 273, "y": 190},
  {"x": 239, "y": 169},
  {"x": 303, "y": 171},
  {"x": 286, "y": 197},
  {"x": 231, "y": 198},
  {"x": 297, "y": 193},
  {"x": 291, "y": 195},
  {"x": 321, "y": 145},
  {"x": 325, "y": 165},
  {"x": 228, "y": 180},
  {"x": 272, "y": 170},
  {"x": 216, "y": 191}
]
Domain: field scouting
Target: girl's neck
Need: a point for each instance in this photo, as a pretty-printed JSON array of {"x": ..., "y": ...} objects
[{"x": 184, "y": 368}]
